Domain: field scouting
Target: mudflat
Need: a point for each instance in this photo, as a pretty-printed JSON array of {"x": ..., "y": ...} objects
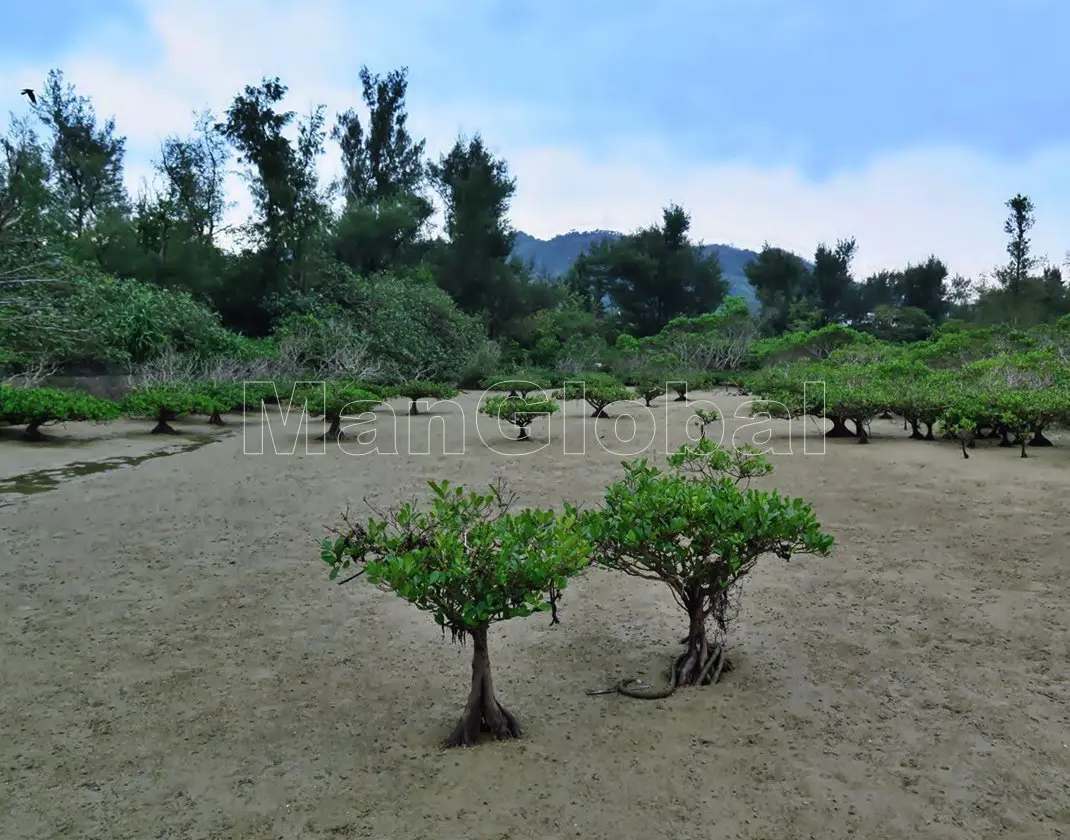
[{"x": 175, "y": 663}]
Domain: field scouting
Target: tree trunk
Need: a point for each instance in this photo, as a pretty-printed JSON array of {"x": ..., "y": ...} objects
[
  {"x": 413, "y": 410},
  {"x": 929, "y": 432},
  {"x": 523, "y": 433},
  {"x": 1024, "y": 441},
  {"x": 1005, "y": 441},
  {"x": 599, "y": 411},
  {"x": 698, "y": 652},
  {"x": 483, "y": 712},
  {"x": 216, "y": 419},
  {"x": 839, "y": 428},
  {"x": 863, "y": 435},
  {"x": 334, "y": 430},
  {"x": 681, "y": 398},
  {"x": 33, "y": 432},
  {"x": 163, "y": 425},
  {"x": 915, "y": 430}
]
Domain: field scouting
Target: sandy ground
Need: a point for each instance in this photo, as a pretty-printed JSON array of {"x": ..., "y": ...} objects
[{"x": 175, "y": 663}]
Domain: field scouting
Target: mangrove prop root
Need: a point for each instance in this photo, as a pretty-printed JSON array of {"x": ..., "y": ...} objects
[
  {"x": 482, "y": 712},
  {"x": 711, "y": 671}
]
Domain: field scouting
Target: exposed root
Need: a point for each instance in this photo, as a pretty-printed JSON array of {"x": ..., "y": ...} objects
[
  {"x": 839, "y": 429},
  {"x": 162, "y": 427},
  {"x": 492, "y": 718},
  {"x": 710, "y": 673},
  {"x": 482, "y": 712}
]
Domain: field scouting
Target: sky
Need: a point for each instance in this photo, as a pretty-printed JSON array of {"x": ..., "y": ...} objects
[{"x": 906, "y": 124}]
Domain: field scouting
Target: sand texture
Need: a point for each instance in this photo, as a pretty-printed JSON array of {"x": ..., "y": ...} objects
[{"x": 174, "y": 662}]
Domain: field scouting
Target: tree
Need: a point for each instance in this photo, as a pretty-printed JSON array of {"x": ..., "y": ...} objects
[
  {"x": 34, "y": 407},
  {"x": 1022, "y": 217},
  {"x": 599, "y": 390},
  {"x": 779, "y": 279},
  {"x": 701, "y": 533},
  {"x": 419, "y": 389},
  {"x": 175, "y": 224},
  {"x": 220, "y": 398},
  {"x": 519, "y": 411},
  {"x": 706, "y": 417},
  {"x": 924, "y": 287},
  {"x": 385, "y": 160},
  {"x": 194, "y": 169},
  {"x": 164, "y": 403},
  {"x": 890, "y": 323},
  {"x": 334, "y": 400},
  {"x": 719, "y": 340},
  {"x": 291, "y": 211},
  {"x": 86, "y": 158},
  {"x": 24, "y": 195},
  {"x": 649, "y": 390},
  {"x": 383, "y": 179},
  {"x": 832, "y": 283},
  {"x": 657, "y": 274},
  {"x": 471, "y": 563},
  {"x": 684, "y": 381},
  {"x": 518, "y": 385},
  {"x": 473, "y": 266}
]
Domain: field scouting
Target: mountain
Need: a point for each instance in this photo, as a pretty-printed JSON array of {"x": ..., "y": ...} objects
[{"x": 555, "y": 256}]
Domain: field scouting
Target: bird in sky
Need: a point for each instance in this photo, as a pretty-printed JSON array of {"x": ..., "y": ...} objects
[{"x": 29, "y": 92}]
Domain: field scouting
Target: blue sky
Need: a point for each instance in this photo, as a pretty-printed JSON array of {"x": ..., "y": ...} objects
[{"x": 905, "y": 123}]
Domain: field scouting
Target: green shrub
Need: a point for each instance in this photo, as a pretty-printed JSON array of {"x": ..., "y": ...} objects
[
  {"x": 701, "y": 533},
  {"x": 333, "y": 400},
  {"x": 469, "y": 562},
  {"x": 36, "y": 407},
  {"x": 164, "y": 403},
  {"x": 599, "y": 390},
  {"x": 420, "y": 390},
  {"x": 521, "y": 412}
]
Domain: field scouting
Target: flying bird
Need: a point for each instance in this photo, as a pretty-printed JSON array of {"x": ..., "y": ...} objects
[{"x": 29, "y": 92}]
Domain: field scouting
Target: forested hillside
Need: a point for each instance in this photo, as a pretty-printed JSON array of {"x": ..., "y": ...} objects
[
  {"x": 555, "y": 257},
  {"x": 94, "y": 277}
]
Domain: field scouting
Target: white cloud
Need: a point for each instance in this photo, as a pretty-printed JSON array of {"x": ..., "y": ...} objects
[{"x": 901, "y": 208}]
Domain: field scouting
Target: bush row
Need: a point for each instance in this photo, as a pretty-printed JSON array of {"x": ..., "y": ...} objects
[
  {"x": 164, "y": 403},
  {"x": 1011, "y": 396}
]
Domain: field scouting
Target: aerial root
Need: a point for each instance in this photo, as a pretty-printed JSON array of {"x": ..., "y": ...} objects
[
  {"x": 716, "y": 664},
  {"x": 492, "y": 718}
]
